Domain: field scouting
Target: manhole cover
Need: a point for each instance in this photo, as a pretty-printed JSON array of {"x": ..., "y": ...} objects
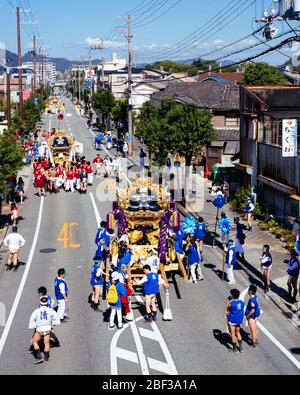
[{"x": 48, "y": 251}]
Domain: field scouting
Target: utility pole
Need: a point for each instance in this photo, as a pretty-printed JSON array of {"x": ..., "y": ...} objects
[
  {"x": 40, "y": 69},
  {"x": 8, "y": 99},
  {"x": 100, "y": 47},
  {"x": 42, "y": 89},
  {"x": 21, "y": 110},
  {"x": 34, "y": 66},
  {"x": 130, "y": 120},
  {"x": 102, "y": 62},
  {"x": 79, "y": 85}
]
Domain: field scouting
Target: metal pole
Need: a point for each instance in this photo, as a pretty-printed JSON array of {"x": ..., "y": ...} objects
[
  {"x": 40, "y": 69},
  {"x": 42, "y": 89},
  {"x": 102, "y": 62},
  {"x": 34, "y": 67},
  {"x": 130, "y": 123},
  {"x": 20, "y": 66},
  {"x": 8, "y": 99},
  {"x": 79, "y": 94}
]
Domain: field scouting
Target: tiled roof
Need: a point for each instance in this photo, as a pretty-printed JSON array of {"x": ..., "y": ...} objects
[
  {"x": 228, "y": 134},
  {"x": 215, "y": 97},
  {"x": 229, "y": 76}
]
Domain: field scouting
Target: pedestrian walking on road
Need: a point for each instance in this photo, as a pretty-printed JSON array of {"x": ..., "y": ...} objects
[
  {"x": 97, "y": 282},
  {"x": 109, "y": 141},
  {"x": 42, "y": 292},
  {"x": 143, "y": 155},
  {"x": 240, "y": 239},
  {"x": 125, "y": 150},
  {"x": 293, "y": 272},
  {"x": 61, "y": 294},
  {"x": 230, "y": 261},
  {"x": 194, "y": 260},
  {"x": 115, "y": 290},
  {"x": 266, "y": 265},
  {"x": 225, "y": 226},
  {"x": 235, "y": 309},
  {"x": 252, "y": 314},
  {"x": 200, "y": 236},
  {"x": 249, "y": 210},
  {"x": 151, "y": 283},
  {"x": 102, "y": 242},
  {"x": 42, "y": 320},
  {"x": 14, "y": 214},
  {"x": 40, "y": 182},
  {"x": 14, "y": 242},
  {"x": 20, "y": 190}
]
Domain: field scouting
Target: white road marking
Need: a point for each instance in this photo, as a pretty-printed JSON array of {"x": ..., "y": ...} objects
[
  {"x": 140, "y": 349},
  {"x": 23, "y": 281},
  {"x": 273, "y": 339},
  {"x": 97, "y": 214},
  {"x": 140, "y": 358},
  {"x": 50, "y": 124},
  {"x": 2, "y": 314}
]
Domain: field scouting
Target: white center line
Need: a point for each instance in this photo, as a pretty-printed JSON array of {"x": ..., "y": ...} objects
[
  {"x": 97, "y": 214},
  {"x": 23, "y": 282}
]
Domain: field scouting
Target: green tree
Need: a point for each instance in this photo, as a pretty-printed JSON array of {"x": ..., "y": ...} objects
[
  {"x": 33, "y": 112},
  {"x": 175, "y": 129},
  {"x": 104, "y": 102},
  {"x": 262, "y": 74},
  {"x": 173, "y": 67},
  {"x": 203, "y": 65},
  {"x": 119, "y": 114},
  {"x": 11, "y": 159}
]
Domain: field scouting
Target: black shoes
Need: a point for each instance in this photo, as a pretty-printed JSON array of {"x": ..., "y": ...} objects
[
  {"x": 46, "y": 356},
  {"x": 38, "y": 357}
]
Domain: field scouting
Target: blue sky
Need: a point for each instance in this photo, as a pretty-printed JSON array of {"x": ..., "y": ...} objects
[{"x": 68, "y": 26}]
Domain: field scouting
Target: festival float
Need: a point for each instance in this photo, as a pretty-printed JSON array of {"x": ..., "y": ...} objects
[{"x": 145, "y": 214}]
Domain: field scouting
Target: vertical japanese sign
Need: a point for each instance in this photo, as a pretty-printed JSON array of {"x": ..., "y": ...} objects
[{"x": 289, "y": 138}]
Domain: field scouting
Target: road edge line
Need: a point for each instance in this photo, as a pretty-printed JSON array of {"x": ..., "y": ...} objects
[{"x": 23, "y": 281}]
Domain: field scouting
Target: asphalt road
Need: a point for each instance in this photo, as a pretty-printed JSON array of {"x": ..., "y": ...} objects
[{"x": 195, "y": 342}]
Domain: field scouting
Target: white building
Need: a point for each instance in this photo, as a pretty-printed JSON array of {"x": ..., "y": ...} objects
[
  {"x": 114, "y": 64},
  {"x": 118, "y": 81},
  {"x": 49, "y": 71},
  {"x": 141, "y": 93}
]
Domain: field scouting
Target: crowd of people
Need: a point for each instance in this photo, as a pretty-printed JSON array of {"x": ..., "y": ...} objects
[{"x": 75, "y": 176}]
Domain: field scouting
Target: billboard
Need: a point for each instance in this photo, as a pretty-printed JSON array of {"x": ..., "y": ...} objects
[{"x": 289, "y": 138}]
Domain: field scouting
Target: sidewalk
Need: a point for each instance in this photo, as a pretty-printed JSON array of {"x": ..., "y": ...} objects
[{"x": 253, "y": 249}]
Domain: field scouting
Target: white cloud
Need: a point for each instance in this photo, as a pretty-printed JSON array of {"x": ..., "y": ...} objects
[{"x": 107, "y": 43}]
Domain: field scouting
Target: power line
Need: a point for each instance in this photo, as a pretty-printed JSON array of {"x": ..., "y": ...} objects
[
  {"x": 222, "y": 16},
  {"x": 159, "y": 16}
]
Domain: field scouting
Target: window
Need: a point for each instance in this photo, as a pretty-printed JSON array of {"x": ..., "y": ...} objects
[
  {"x": 232, "y": 122},
  {"x": 272, "y": 131},
  {"x": 121, "y": 80}
]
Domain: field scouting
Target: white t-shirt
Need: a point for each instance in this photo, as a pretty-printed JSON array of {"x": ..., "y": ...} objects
[
  {"x": 43, "y": 318},
  {"x": 14, "y": 241},
  {"x": 153, "y": 262}
]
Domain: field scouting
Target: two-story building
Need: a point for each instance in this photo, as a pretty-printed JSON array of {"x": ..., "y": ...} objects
[
  {"x": 223, "y": 100},
  {"x": 263, "y": 162}
]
